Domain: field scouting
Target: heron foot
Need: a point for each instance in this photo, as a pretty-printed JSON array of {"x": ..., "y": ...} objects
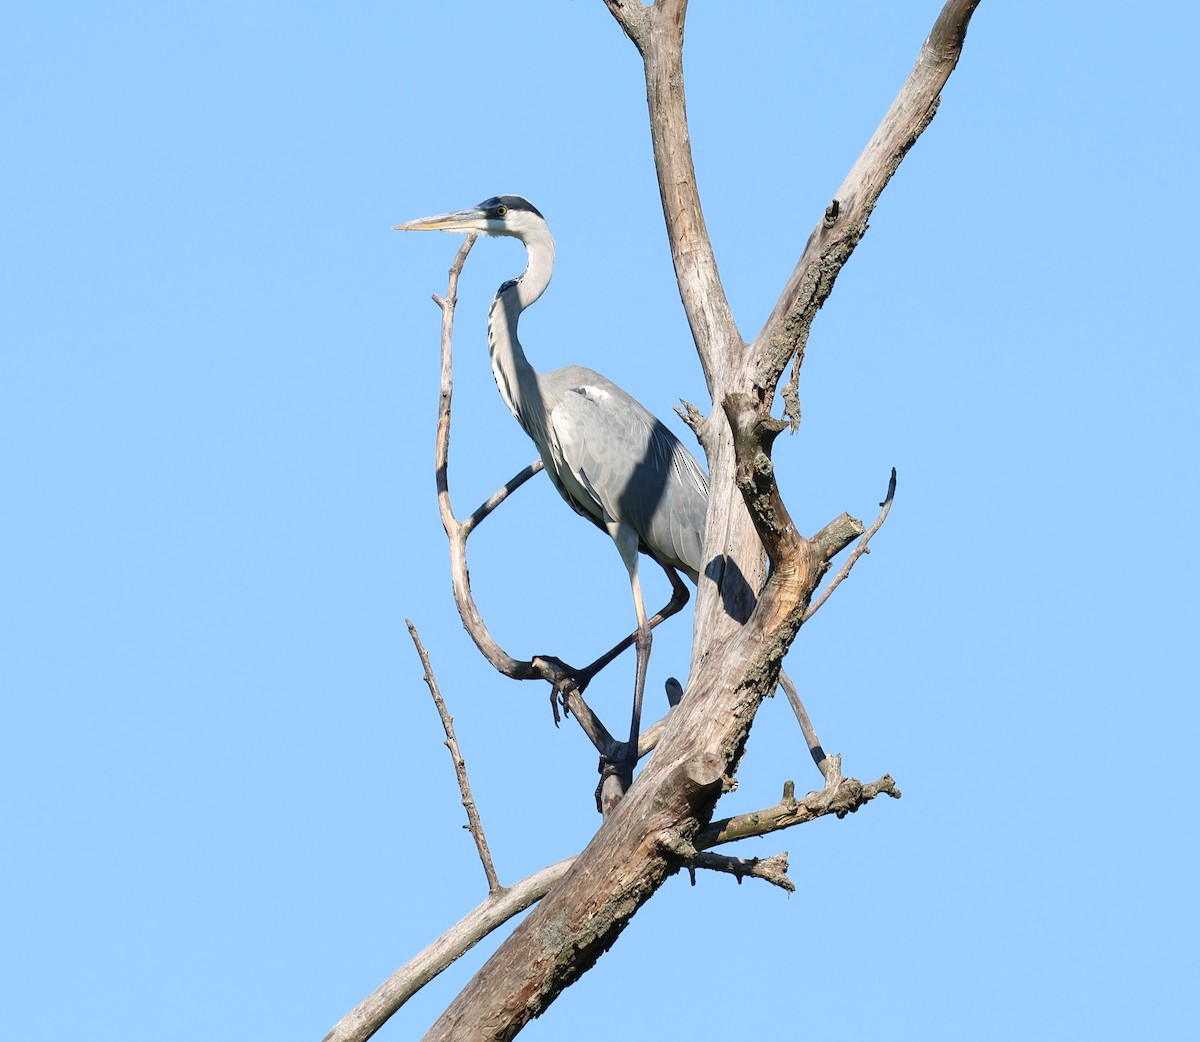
[{"x": 565, "y": 678}]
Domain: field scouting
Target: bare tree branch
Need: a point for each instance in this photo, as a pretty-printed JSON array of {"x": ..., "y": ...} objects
[
  {"x": 474, "y": 824},
  {"x": 499, "y": 496},
  {"x": 658, "y": 34},
  {"x": 858, "y": 551},
  {"x": 844, "y": 797},
  {"x": 772, "y": 869},
  {"x": 369, "y": 1015},
  {"x": 455, "y": 532},
  {"x": 795, "y": 570},
  {"x": 845, "y": 222},
  {"x": 810, "y": 733},
  {"x": 692, "y": 416}
]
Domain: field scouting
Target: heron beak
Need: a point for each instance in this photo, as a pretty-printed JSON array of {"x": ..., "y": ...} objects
[{"x": 459, "y": 221}]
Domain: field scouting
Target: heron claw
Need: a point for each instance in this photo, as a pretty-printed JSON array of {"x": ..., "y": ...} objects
[
  {"x": 559, "y": 699},
  {"x": 567, "y": 677}
]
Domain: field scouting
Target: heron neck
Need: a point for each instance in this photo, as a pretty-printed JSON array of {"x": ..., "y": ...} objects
[{"x": 516, "y": 379}]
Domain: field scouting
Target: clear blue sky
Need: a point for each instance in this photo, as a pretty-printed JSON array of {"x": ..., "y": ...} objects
[{"x": 227, "y": 810}]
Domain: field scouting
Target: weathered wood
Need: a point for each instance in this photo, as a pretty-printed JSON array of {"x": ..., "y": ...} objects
[
  {"x": 628, "y": 860},
  {"x": 740, "y": 639}
]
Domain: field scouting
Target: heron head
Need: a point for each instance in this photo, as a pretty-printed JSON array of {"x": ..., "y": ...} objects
[{"x": 499, "y": 215}]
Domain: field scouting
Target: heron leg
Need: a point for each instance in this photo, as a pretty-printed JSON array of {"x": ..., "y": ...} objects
[
  {"x": 679, "y": 598},
  {"x": 621, "y": 772},
  {"x": 616, "y": 775},
  {"x": 645, "y": 636}
]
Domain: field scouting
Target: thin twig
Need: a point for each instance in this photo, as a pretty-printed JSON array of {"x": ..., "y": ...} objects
[
  {"x": 858, "y": 551},
  {"x": 475, "y": 825},
  {"x": 500, "y": 495}
]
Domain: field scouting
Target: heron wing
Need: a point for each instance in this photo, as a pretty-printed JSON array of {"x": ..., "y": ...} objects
[{"x": 613, "y": 460}]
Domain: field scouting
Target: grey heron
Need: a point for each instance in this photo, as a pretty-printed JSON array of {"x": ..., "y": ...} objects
[{"x": 607, "y": 455}]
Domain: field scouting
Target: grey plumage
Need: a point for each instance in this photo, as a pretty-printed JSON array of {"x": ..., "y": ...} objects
[{"x": 609, "y": 457}]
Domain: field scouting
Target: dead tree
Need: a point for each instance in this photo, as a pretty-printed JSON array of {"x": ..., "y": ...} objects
[{"x": 764, "y": 582}]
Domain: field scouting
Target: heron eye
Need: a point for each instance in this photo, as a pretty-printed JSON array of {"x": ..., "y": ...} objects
[{"x": 501, "y": 210}]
